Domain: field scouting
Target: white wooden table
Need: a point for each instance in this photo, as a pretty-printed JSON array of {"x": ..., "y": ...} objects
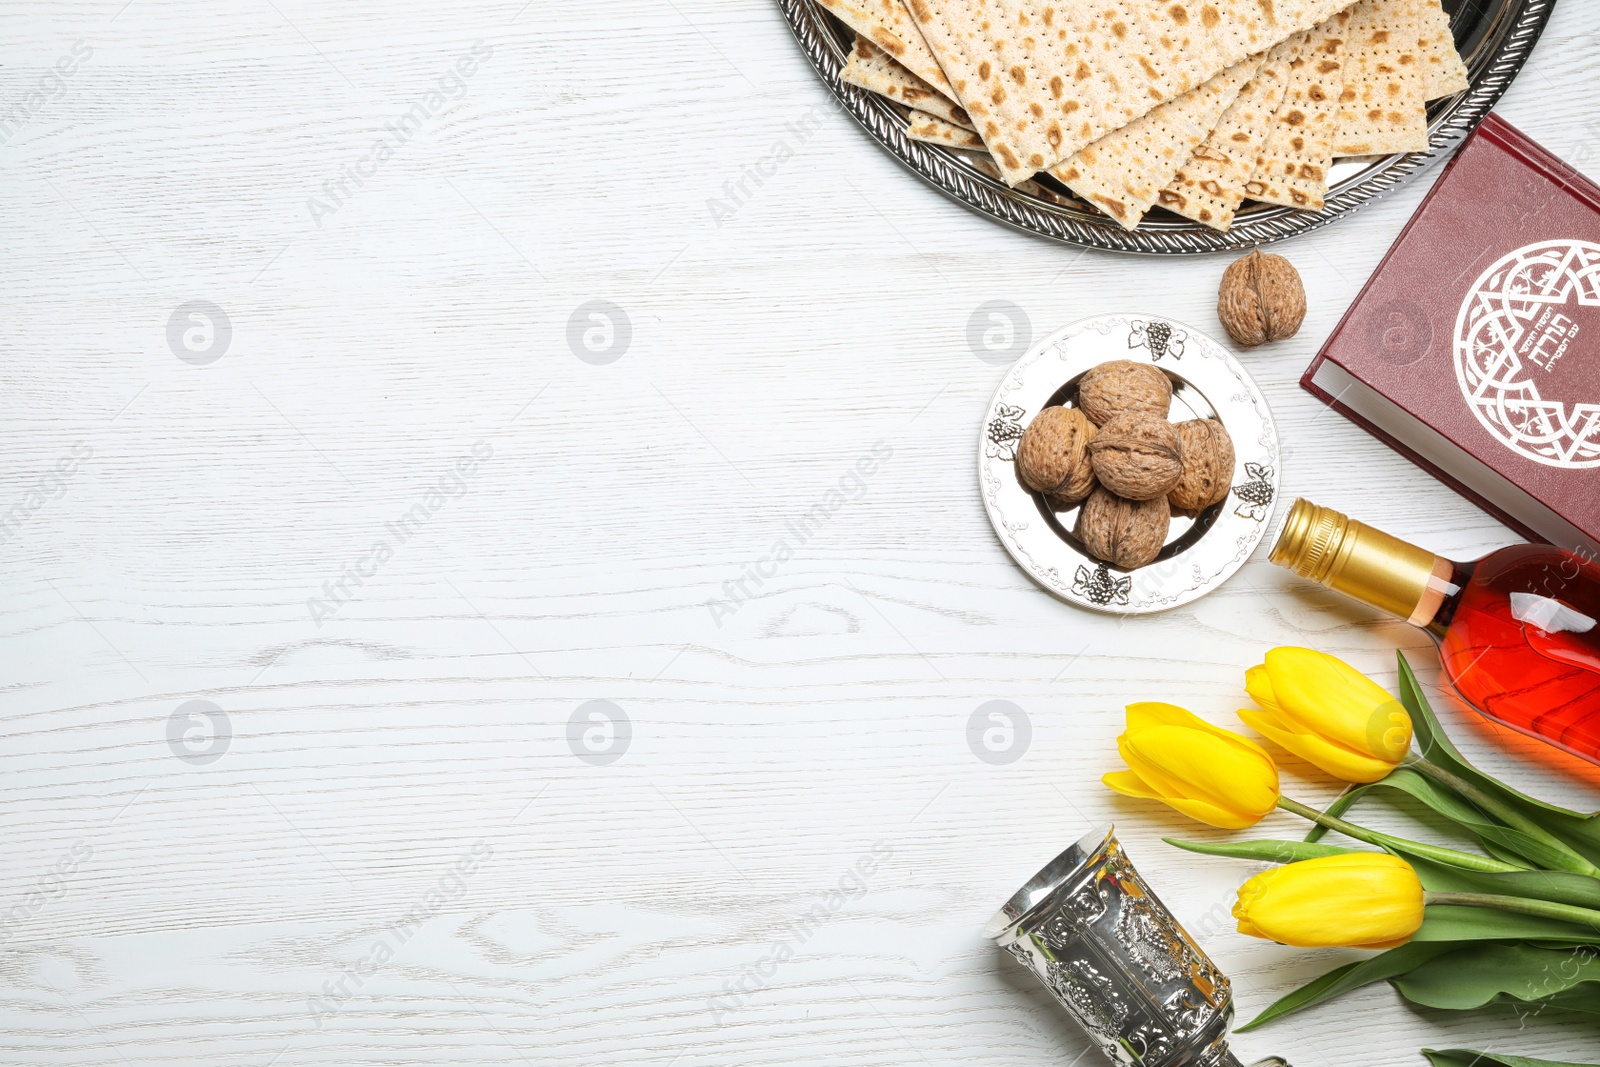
[{"x": 376, "y": 839}]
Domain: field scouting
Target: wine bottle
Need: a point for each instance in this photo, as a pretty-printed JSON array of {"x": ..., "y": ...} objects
[{"x": 1516, "y": 629}]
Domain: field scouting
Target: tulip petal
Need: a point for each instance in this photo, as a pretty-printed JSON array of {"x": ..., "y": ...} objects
[
  {"x": 1324, "y": 695},
  {"x": 1217, "y": 768},
  {"x": 1154, "y": 713},
  {"x": 1396, "y": 943},
  {"x": 1129, "y": 785},
  {"x": 1258, "y": 683},
  {"x": 1340, "y": 762},
  {"x": 1212, "y": 815},
  {"x": 1358, "y": 899}
]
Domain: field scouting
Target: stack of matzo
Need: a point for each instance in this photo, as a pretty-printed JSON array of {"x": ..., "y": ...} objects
[{"x": 1196, "y": 105}]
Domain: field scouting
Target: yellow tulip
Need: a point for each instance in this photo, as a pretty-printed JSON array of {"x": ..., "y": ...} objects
[
  {"x": 1358, "y": 899},
  {"x": 1328, "y": 713},
  {"x": 1204, "y": 771}
]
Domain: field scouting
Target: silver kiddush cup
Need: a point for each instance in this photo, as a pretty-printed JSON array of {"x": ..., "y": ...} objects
[{"x": 1091, "y": 930}]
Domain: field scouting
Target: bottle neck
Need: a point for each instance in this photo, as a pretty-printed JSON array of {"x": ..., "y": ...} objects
[{"x": 1368, "y": 565}]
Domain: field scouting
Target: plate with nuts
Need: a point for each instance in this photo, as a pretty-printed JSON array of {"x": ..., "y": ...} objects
[{"x": 1129, "y": 463}]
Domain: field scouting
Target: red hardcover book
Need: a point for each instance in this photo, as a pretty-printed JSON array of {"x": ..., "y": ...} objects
[{"x": 1474, "y": 348}]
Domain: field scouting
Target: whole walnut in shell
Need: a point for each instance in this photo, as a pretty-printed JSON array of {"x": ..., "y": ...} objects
[
  {"x": 1053, "y": 455},
  {"x": 1137, "y": 456},
  {"x": 1207, "y": 465},
  {"x": 1122, "y": 386},
  {"x": 1261, "y": 299},
  {"x": 1124, "y": 533}
]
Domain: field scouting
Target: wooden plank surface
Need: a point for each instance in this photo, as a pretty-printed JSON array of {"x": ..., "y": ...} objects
[{"x": 406, "y": 526}]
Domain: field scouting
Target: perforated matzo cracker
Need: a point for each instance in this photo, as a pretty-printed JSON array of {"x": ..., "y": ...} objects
[
  {"x": 1041, "y": 79},
  {"x": 1292, "y": 167},
  {"x": 877, "y": 72},
  {"x": 1446, "y": 73},
  {"x": 887, "y": 24},
  {"x": 934, "y": 130},
  {"x": 1210, "y": 186},
  {"x": 1382, "y": 106},
  {"x": 985, "y": 164},
  {"x": 1124, "y": 172}
]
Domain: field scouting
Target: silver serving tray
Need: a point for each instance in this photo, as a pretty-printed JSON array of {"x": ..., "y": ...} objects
[{"x": 1494, "y": 37}]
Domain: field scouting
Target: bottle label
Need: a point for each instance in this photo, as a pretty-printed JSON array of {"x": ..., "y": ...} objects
[{"x": 1435, "y": 592}]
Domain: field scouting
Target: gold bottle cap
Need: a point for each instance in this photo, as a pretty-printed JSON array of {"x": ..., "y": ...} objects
[{"x": 1352, "y": 558}]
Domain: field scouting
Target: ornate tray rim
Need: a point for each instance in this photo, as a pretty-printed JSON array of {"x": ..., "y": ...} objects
[{"x": 1491, "y": 75}]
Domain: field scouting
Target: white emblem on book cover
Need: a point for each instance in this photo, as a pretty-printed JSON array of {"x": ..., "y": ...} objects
[{"x": 1523, "y": 328}]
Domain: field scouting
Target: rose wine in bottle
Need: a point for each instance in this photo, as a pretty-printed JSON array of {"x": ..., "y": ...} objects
[{"x": 1516, "y": 629}]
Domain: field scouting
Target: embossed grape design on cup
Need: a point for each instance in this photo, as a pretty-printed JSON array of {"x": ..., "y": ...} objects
[{"x": 1091, "y": 930}]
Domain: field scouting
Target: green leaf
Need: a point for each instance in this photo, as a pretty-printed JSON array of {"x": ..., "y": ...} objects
[
  {"x": 1414, "y": 850},
  {"x": 1580, "y": 830},
  {"x": 1526, "y": 846},
  {"x": 1562, "y": 887},
  {"x": 1475, "y": 975},
  {"x": 1429, "y": 738},
  {"x": 1438, "y": 797},
  {"x": 1583, "y": 999},
  {"x": 1266, "y": 851},
  {"x": 1341, "y": 804},
  {"x": 1461, "y": 1057},
  {"x": 1504, "y": 855},
  {"x": 1523, "y": 847},
  {"x": 1396, "y": 961},
  {"x": 1455, "y": 922}
]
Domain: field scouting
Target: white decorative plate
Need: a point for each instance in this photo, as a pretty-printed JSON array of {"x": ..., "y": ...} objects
[{"x": 1201, "y": 552}]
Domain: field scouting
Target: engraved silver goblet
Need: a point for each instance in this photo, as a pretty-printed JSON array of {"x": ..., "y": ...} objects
[{"x": 1091, "y": 930}]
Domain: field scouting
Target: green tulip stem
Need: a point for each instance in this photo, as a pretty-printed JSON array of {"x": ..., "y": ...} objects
[
  {"x": 1549, "y": 909},
  {"x": 1450, "y": 856},
  {"x": 1507, "y": 814}
]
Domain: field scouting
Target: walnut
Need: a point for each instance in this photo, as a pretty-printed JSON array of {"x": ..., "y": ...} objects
[
  {"x": 1137, "y": 456},
  {"x": 1053, "y": 455},
  {"x": 1124, "y": 533},
  {"x": 1207, "y": 465},
  {"x": 1261, "y": 299},
  {"x": 1122, "y": 385}
]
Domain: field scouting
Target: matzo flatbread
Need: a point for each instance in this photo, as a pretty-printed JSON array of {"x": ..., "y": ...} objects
[
  {"x": 1292, "y": 166},
  {"x": 1219, "y": 33},
  {"x": 1181, "y": 40},
  {"x": 1446, "y": 73},
  {"x": 934, "y": 130},
  {"x": 985, "y": 163},
  {"x": 1382, "y": 107},
  {"x": 1039, "y": 82},
  {"x": 874, "y": 70},
  {"x": 1124, "y": 172},
  {"x": 1210, "y": 187},
  {"x": 887, "y": 24},
  {"x": 1042, "y": 79}
]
